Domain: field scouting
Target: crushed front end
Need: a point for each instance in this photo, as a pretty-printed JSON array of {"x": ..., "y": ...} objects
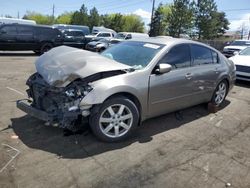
[{"x": 58, "y": 106}]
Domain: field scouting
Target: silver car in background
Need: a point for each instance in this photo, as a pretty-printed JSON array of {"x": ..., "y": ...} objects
[{"x": 126, "y": 84}]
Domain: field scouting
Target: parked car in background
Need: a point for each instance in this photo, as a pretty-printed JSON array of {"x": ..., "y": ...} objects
[
  {"x": 74, "y": 38},
  {"x": 235, "y": 46},
  {"x": 99, "y": 35},
  {"x": 130, "y": 35},
  {"x": 4, "y": 20},
  {"x": 62, "y": 27},
  {"x": 126, "y": 84},
  {"x": 101, "y": 45},
  {"x": 21, "y": 37},
  {"x": 96, "y": 29},
  {"x": 242, "y": 63}
]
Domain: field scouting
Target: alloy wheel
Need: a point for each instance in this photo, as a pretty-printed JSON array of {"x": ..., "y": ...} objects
[
  {"x": 220, "y": 93},
  {"x": 116, "y": 120}
]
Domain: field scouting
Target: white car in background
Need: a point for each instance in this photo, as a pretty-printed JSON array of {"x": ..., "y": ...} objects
[
  {"x": 235, "y": 46},
  {"x": 242, "y": 63}
]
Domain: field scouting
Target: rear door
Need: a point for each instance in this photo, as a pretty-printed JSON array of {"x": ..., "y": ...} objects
[
  {"x": 8, "y": 37},
  {"x": 206, "y": 69},
  {"x": 25, "y": 37}
]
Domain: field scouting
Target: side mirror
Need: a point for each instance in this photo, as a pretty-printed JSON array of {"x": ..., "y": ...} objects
[
  {"x": 162, "y": 68},
  {"x": 2, "y": 32},
  {"x": 236, "y": 52}
]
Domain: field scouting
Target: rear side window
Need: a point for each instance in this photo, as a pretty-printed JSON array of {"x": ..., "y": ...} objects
[
  {"x": 178, "y": 57},
  {"x": 215, "y": 57},
  {"x": 9, "y": 30},
  {"x": 23, "y": 30},
  {"x": 201, "y": 55}
]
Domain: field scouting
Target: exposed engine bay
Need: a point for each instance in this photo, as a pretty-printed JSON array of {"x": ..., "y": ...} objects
[{"x": 62, "y": 104}]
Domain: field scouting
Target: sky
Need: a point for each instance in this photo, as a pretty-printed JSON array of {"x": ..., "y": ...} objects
[{"x": 237, "y": 11}]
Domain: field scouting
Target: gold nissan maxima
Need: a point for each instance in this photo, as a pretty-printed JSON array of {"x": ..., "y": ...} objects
[{"x": 125, "y": 84}]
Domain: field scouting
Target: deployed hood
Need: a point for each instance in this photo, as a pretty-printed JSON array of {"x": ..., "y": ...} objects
[
  {"x": 64, "y": 64},
  {"x": 241, "y": 60}
]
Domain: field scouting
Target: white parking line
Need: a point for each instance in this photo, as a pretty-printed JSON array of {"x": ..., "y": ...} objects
[
  {"x": 19, "y": 92},
  {"x": 12, "y": 157}
]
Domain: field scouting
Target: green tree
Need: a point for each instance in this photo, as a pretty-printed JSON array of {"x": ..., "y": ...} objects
[
  {"x": 80, "y": 17},
  {"x": 181, "y": 18},
  {"x": 39, "y": 18},
  {"x": 209, "y": 22},
  {"x": 64, "y": 18},
  {"x": 113, "y": 21},
  {"x": 160, "y": 20},
  {"x": 132, "y": 23},
  {"x": 94, "y": 18}
]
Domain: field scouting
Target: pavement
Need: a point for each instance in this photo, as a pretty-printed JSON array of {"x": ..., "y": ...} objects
[{"x": 191, "y": 148}]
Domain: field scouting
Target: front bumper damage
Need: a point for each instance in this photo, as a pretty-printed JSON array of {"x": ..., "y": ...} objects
[
  {"x": 25, "y": 105},
  {"x": 56, "y": 106}
]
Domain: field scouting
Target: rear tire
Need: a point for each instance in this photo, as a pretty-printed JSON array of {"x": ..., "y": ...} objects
[
  {"x": 220, "y": 93},
  {"x": 46, "y": 47},
  {"x": 114, "y": 120}
]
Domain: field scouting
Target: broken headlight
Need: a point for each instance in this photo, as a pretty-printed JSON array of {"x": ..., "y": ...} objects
[{"x": 78, "y": 91}]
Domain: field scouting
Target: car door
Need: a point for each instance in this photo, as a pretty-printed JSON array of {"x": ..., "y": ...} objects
[
  {"x": 25, "y": 37},
  {"x": 8, "y": 34},
  {"x": 206, "y": 69},
  {"x": 173, "y": 90}
]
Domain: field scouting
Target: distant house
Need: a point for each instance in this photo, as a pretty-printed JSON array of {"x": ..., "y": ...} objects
[{"x": 232, "y": 35}]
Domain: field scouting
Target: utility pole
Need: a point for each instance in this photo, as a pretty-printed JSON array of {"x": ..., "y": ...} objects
[
  {"x": 152, "y": 15},
  {"x": 53, "y": 13}
]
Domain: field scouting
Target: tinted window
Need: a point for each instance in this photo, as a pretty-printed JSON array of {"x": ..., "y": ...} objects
[
  {"x": 129, "y": 36},
  {"x": 104, "y": 35},
  {"x": 215, "y": 57},
  {"x": 23, "y": 30},
  {"x": 10, "y": 30},
  {"x": 240, "y": 43},
  {"x": 179, "y": 56},
  {"x": 201, "y": 55}
]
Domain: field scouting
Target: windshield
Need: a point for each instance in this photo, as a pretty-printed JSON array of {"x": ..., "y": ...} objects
[
  {"x": 133, "y": 53},
  {"x": 240, "y": 43},
  {"x": 246, "y": 52}
]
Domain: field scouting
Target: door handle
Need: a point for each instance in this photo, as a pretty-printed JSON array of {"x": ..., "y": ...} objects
[
  {"x": 216, "y": 71},
  {"x": 189, "y": 76}
]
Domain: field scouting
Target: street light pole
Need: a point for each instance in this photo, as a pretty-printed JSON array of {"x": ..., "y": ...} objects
[{"x": 152, "y": 14}]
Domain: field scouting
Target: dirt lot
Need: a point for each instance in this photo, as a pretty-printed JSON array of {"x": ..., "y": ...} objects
[{"x": 188, "y": 149}]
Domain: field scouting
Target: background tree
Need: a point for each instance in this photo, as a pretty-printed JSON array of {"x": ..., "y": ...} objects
[
  {"x": 80, "y": 17},
  {"x": 209, "y": 22},
  {"x": 160, "y": 20},
  {"x": 39, "y": 18},
  {"x": 94, "y": 18},
  {"x": 64, "y": 18},
  {"x": 181, "y": 18},
  {"x": 132, "y": 23}
]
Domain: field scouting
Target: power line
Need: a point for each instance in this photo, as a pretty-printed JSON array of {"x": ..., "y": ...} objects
[
  {"x": 118, "y": 7},
  {"x": 231, "y": 10}
]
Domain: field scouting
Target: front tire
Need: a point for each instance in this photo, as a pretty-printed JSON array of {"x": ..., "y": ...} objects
[
  {"x": 220, "y": 93},
  {"x": 115, "y": 119}
]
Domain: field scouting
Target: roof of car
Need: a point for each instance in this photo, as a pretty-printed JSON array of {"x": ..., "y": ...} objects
[
  {"x": 166, "y": 40},
  {"x": 73, "y": 30},
  {"x": 169, "y": 41}
]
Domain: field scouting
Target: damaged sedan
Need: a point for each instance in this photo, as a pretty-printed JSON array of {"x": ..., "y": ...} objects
[{"x": 126, "y": 84}]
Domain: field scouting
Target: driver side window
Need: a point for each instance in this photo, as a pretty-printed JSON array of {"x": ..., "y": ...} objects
[{"x": 178, "y": 57}]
